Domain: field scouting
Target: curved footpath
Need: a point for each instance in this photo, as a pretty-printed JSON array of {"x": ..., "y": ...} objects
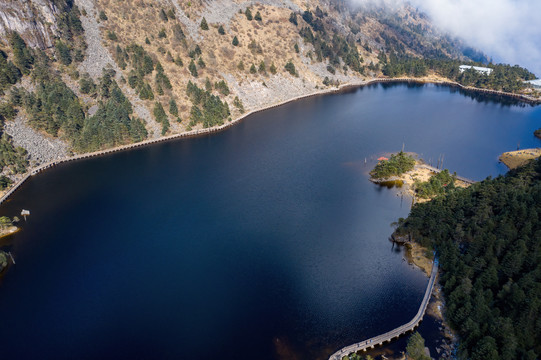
[
  {"x": 395, "y": 333},
  {"x": 199, "y": 132}
]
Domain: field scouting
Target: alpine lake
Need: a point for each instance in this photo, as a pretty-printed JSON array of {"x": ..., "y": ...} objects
[{"x": 265, "y": 241}]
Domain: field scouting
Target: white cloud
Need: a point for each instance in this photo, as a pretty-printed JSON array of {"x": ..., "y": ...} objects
[{"x": 508, "y": 30}]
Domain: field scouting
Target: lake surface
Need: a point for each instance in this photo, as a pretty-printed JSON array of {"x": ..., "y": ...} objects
[{"x": 265, "y": 241}]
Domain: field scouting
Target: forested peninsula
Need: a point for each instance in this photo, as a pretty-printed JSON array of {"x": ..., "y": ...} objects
[{"x": 488, "y": 240}]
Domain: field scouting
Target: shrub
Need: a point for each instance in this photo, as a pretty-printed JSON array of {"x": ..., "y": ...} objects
[
  {"x": 178, "y": 61},
  {"x": 63, "y": 53},
  {"x": 112, "y": 36},
  {"x": 163, "y": 15},
  {"x": 238, "y": 104},
  {"x": 87, "y": 85},
  {"x": 290, "y": 67},
  {"x": 5, "y": 182},
  {"x": 178, "y": 33}
]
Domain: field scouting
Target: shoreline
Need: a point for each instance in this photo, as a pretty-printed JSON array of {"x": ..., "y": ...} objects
[
  {"x": 9, "y": 231},
  {"x": 207, "y": 131},
  {"x": 514, "y": 159},
  {"x": 421, "y": 172}
]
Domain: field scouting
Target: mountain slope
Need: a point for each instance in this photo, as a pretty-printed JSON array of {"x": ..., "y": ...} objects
[{"x": 135, "y": 69}]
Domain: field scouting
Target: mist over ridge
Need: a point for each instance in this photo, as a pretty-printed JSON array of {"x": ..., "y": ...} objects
[{"x": 506, "y": 30}]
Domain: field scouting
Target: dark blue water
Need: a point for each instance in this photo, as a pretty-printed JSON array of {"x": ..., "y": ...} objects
[{"x": 266, "y": 241}]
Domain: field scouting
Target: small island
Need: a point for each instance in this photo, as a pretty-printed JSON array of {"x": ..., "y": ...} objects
[
  {"x": 421, "y": 181},
  {"x": 395, "y": 166},
  {"x": 7, "y": 227}
]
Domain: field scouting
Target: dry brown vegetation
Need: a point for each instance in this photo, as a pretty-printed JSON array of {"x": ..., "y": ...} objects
[
  {"x": 263, "y": 43},
  {"x": 514, "y": 159},
  {"x": 268, "y": 41}
]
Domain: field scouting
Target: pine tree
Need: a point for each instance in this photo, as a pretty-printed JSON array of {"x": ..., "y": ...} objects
[
  {"x": 262, "y": 68},
  {"x": 193, "y": 69},
  {"x": 416, "y": 347},
  {"x": 235, "y": 41},
  {"x": 204, "y": 25},
  {"x": 201, "y": 63},
  {"x": 293, "y": 18},
  {"x": 173, "y": 109},
  {"x": 159, "y": 112}
]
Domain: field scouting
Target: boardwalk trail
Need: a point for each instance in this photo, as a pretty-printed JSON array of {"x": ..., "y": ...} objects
[
  {"x": 395, "y": 333},
  {"x": 227, "y": 125}
]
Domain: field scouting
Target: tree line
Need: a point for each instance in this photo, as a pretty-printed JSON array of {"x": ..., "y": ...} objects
[
  {"x": 207, "y": 108},
  {"x": 487, "y": 238},
  {"x": 504, "y": 77}
]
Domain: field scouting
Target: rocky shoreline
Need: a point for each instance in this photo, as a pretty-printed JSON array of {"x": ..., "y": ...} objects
[{"x": 42, "y": 152}]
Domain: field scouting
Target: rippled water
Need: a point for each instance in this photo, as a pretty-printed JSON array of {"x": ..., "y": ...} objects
[{"x": 266, "y": 241}]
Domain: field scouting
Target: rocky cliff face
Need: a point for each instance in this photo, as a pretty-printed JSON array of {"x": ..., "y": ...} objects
[{"x": 34, "y": 20}]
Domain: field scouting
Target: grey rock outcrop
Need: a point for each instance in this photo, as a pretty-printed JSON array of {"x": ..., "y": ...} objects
[
  {"x": 34, "y": 20},
  {"x": 41, "y": 148}
]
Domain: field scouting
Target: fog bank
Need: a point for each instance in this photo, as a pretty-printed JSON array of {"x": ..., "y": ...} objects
[{"x": 507, "y": 30}]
